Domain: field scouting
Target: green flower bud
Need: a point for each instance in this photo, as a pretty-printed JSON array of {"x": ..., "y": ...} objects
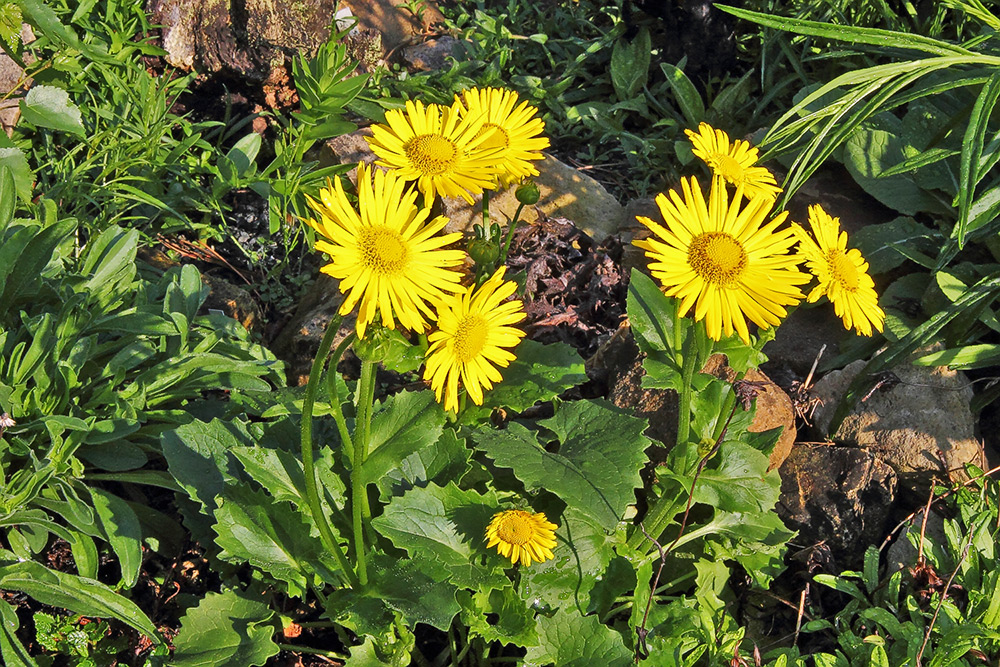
[
  {"x": 527, "y": 193},
  {"x": 483, "y": 251},
  {"x": 380, "y": 343}
]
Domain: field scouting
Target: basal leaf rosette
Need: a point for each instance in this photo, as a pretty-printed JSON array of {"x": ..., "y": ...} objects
[
  {"x": 513, "y": 128},
  {"x": 473, "y": 337},
  {"x": 842, "y": 273},
  {"x": 386, "y": 254},
  {"x": 725, "y": 259},
  {"x": 734, "y": 161},
  {"x": 446, "y": 153}
]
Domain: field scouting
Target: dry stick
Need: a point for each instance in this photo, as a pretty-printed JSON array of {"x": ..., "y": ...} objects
[
  {"x": 944, "y": 495},
  {"x": 798, "y": 619},
  {"x": 944, "y": 595},
  {"x": 641, "y": 632}
]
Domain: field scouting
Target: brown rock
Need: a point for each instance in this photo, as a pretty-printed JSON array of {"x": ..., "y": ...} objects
[
  {"x": 773, "y": 408},
  {"x": 432, "y": 54},
  {"x": 921, "y": 425},
  {"x": 839, "y": 496},
  {"x": 393, "y": 21},
  {"x": 232, "y": 300}
]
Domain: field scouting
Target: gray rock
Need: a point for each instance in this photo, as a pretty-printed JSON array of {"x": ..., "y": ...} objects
[
  {"x": 432, "y": 54},
  {"x": 836, "y": 495},
  {"x": 901, "y": 553},
  {"x": 922, "y": 427}
]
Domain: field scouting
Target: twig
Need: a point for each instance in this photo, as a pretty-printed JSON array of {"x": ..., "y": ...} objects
[
  {"x": 801, "y": 610},
  {"x": 641, "y": 649}
]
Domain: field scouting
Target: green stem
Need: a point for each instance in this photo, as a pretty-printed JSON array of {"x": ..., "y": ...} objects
[
  {"x": 361, "y": 512},
  {"x": 297, "y": 648},
  {"x": 308, "y": 463},
  {"x": 662, "y": 511},
  {"x": 510, "y": 235},
  {"x": 687, "y": 375},
  {"x": 331, "y": 387},
  {"x": 486, "y": 213}
]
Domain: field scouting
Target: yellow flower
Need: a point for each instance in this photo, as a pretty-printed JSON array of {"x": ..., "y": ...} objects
[
  {"x": 733, "y": 161},
  {"x": 724, "y": 260},
  {"x": 385, "y": 254},
  {"x": 521, "y": 535},
  {"x": 473, "y": 330},
  {"x": 443, "y": 152},
  {"x": 842, "y": 273},
  {"x": 512, "y": 126}
]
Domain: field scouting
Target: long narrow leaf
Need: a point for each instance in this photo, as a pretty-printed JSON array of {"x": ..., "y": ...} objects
[
  {"x": 845, "y": 33},
  {"x": 972, "y": 152}
]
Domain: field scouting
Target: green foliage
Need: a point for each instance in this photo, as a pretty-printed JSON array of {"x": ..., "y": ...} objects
[
  {"x": 225, "y": 628},
  {"x": 85, "y": 644},
  {"x": 897, "y": 617}
]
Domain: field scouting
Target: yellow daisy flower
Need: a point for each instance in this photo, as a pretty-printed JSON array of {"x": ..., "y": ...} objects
[
  {"x": 385, "y": 254},
  {"x": 842, "y": 273},
  {"x": 723, "y": 259},
  {"x": 473, "y": 330},
  {"x": 733, "y": 161},
  {"x": 436, "y": 147},
  {"x": 512, "y": 127},
  {"x": 521, "y": 535}
]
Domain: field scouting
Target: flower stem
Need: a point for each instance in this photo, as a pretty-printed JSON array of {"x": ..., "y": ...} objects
[
  {"x": 510, "y": 235},
  {"x": 690, "y": 359},
  {"x": 361, "y": 512},
  {"x": 308, "y": 464}
]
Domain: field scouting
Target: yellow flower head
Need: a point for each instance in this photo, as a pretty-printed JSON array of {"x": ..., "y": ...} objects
[
  {"x": 385, "y": 254},
  {"x": 513, "y": 128},
  {"x": 521, "y": 535},
  {"x": 733, "y": 161},
  {"x": 474, "y": 328},
  {"x": 723, "y": 259},
  {"x": 842, "y": 273},
  {"x": 446, "y": 154}
]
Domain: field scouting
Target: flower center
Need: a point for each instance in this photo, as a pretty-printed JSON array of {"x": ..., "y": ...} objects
[
  {"x": 470, "y": 338},
  {"x": 498, "y": 136},
  {"x": 717, "y": 257},
  {"x": 515, "y": 527},
  {"x": 382, "y": 250},
  {"x": 431, "y": 153},
  {"x": 727, "y": 167},
  {"x": 843, "y": 270}
]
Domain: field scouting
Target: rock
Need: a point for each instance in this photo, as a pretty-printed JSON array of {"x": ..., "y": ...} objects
[
  {"x": 396, "y": 24},
  {"x": 233, "y": 301},
  {"x": 299, "y": 340},
  {"x": 773, "y": 409},
  {"x": 10, "y": 80},
  {"x": 837, "y": 495},
  {"x": 432, "y": 54},
  {"x": 249, "y": 39},
  {"x": 798, "y": 341},
  {"x": 922, "y": 426},
  {"x": 619, "y": 362},
  {"x": 833, "y": 187}
]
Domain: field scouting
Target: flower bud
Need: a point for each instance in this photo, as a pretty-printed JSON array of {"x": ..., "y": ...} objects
[
  {"x": 527, "y": 193},
  {"x": 483, "y": 251}
]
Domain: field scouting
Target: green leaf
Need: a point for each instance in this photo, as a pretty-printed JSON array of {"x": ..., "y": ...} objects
[
  {"x": 582, "y": 553},
  {"x": 630, "y": 65},
  {"x": 11, "y": 650},
  {"x": 272, "y": 536},
  {"x": 15, "y": 161},
  {"x": 972, "y": 152},
  {"x": 77, "y": 594},
  {"x": 889, "y": 244},
  {"x": 20, "y": 274},
  {"x": 8, "y": 197},
  {"x": 687, "y": 95},
  {"x": 741, "y": 483},
  {"x": 596, "y": 467},
  {"x": 539, "y": 374},
  {"x": 10, "y": 24},
  {"x": 873, "y": 149},
  {"x": 568, "y": 639},
  {"x": 651, "y": 316},
  {"x": 968, "y": 357},
  {"x": 402, "y": 585},
  {"x": 513, "y": 621},
  {"x": 197, "y": 456},
  {"x": 443, "y": 527},
  {"x": 447, "y": 459},
  {"x": 121, "y": 526},
  {"x": 51, "y": 108},
  {"x": 225, "y": 629},
  {"x": 244, "y": 152},
  {"x": 883, "y": 39},
  {"x": 405, "y": 423}
]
